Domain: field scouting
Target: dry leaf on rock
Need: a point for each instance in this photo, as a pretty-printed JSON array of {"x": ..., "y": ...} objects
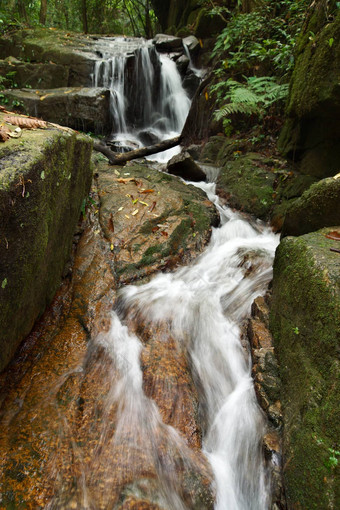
[
  {"x": 26, "y": 122},
  {"x": 4, "y": 134}
]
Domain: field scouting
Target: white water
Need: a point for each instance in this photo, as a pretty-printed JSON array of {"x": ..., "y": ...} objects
[
  {"x": 204, "y": 306},
  {"x": 150, "y": 99}
]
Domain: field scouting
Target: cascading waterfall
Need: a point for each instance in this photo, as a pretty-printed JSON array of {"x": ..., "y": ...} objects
[
  {"x": 148, "y": 103},
  {"x": 206, "y": 304}
]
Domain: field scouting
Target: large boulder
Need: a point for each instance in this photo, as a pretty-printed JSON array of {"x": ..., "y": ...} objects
[
  {"x": 305, "y": 321},
  {"x": 246, "y": 182},
  {"x": 153, "y": 220},
  {"x": 46, "y": 75},
  {"x": 84, "y": 109},
  {"x": 311, "y": 134},
  {"x": 184, "y": 166},
  {"x": 44, "y": 177},
  {"x": 318, "y": 207}
]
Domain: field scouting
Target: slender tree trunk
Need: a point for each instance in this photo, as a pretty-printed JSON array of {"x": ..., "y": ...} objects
[
  {"x": 43, "y": 12},
  {"x": 84, "y": 15},
  {"x": 22, "y": 10}
]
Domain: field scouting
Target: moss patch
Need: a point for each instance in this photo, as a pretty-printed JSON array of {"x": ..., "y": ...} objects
[
  {"x": 44, "y": 176},
  {"x": 305, "y": 322}
]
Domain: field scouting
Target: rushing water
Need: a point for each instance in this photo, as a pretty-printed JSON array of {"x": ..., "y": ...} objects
[
  {"x": 205, "y": 304},
  {"x": 123, "y": 441},
  {"x": 204, "y": 307},
  {"x": 148, "y": 102}
]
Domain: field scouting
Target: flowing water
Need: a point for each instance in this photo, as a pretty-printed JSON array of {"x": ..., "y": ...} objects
[
  {"x": 148, "y": 102},
  {"x": 124, "y": 446}
]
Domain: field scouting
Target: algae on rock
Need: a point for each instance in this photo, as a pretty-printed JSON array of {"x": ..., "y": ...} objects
[
  {"x": 44, "y": 177},
  {"x": 305, "y": 321}
]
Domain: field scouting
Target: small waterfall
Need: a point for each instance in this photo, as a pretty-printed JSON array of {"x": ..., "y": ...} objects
[
  {"x": 148, "y": 102},
  {"x": 205, "y": 304}
]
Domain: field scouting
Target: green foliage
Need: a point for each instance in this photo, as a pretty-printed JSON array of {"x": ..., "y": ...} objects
[
  {"x": 130, "y": 17},
  {"x": 254, "y": 97},
  {"x": 266, "y": 35}
]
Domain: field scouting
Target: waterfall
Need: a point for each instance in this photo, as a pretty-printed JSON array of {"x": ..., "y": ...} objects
[
  {"x": 205, "y": 304},
  {"x": 148, "y": 102}
]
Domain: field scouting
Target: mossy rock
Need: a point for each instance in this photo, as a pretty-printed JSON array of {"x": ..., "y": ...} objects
[
  {"x": 305, "y": 322},
  {"x": 318, "y": 207},
  {"x": 83, "y": 109},
  {"x": 47, "y": 75},
  {"x": 75, "y": 52},
  {"x": 247, "y": 184},
  {"x": 152, "y": 220},
  {"x": 44, "y": 177},
  {"x": 311, "y": 134}
]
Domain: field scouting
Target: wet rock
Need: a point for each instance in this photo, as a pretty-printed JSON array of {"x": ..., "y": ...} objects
[
  {"x": 318, "y": 207},
  {"x": 311, "y": 135},
  {"x": 253, "y": 193},
  {"x": 184, "y": 166},
  {"x": 86, "y": 109},
  {"x": 192, "y": 43},
  {"x": 33, "y": 75},
  {"x": 200, "y": 123},
  {"x": 44, "y": 177},
  {"x": 182, "y": 64},
  {"x": 190, "y": 83},
  {"x": 167, "y": 43},
  {"x": 152, "y": 220},
  {"x": 75, "y": 52},
  {"x": 267, "y": 384},
  {"x": 305, "y": 322}
]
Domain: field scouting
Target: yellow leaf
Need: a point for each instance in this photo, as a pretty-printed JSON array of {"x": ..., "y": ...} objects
[
  {"x": 144, "y": 203},
  {"x": 120, "y": 209},
  {"x": 201, "y": 43},
  {"x": 134, "y": 212},
  {"x": 206, "y": 96},
  {"x": 111, "y": 247},
  {"x": 135, "y": 201},
  {"x": 126, "y": 216}
]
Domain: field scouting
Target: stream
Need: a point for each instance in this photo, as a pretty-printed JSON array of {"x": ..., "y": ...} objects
[{"x": 136, "y": 445}]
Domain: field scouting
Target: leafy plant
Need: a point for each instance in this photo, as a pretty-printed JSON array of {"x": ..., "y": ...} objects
[{"x": 253, "y": 97}]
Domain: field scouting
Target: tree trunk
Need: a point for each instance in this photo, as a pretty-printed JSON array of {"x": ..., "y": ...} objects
[
  {"x": 84, "y": 16},
  {"x": 43, "y": 12},
  {"x": 22, "y": 10},
  {"x": 120, "y": 158}
]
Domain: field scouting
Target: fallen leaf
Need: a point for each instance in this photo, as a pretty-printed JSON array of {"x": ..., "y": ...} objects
[
  {"x": 4, "y": 134},
  {"x": 134, "y": 212},
  {"x": 143, "y": 203},
  {"x": 152, "y": 207},
  {"x": 165, "y": 234},
  {"x": 135, "y": 201},
  {"x": 147, "y": 191},
  {"x": 26, "y": 122},
  {"x": 110, "y": 224},
  {"x": 126, "y": 216},
  {"x": 335, "y": 235},
  {"x": 155, "y": 229},
  {"x": 120, "y": 209}
]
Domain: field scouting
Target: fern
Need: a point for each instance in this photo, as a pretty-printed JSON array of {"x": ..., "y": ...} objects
[{"x": 254, "y": 96}]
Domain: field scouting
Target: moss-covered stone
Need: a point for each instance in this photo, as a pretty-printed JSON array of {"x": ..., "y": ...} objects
[
  {"x": 305, "y": 321},
  {"x": 318, "y": 207},
  {"x": 33, "y": 75},
  {"x": 152, "y": 220},
  {"x": 44, "y": 177},
  {"x": 311, "y": 134},
  {"x": 84, "y": 109},
  {"x": 247, "y": 184}
]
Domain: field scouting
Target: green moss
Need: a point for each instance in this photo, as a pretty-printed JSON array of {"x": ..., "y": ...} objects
[
  {"x": 305, "y": 321},
  {"x": 248, "y": 183},
  {"x": 36, "y": 228}
]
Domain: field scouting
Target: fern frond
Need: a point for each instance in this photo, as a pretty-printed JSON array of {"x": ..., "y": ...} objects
[{"x": 236, "y": 108}]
